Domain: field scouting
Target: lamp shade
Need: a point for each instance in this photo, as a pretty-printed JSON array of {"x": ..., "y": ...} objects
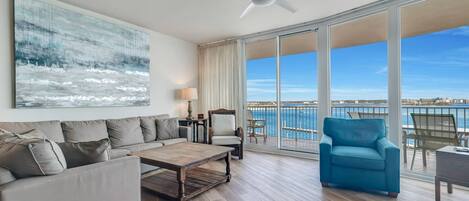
[{"x": 188, "y": 94}]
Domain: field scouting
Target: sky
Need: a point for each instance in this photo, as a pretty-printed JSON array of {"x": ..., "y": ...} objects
[{"x": 433, "y": 65}]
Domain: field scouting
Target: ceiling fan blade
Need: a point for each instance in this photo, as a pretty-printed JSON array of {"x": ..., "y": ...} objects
[
  {"x": 286, "y": 5},
  {"x": 247, "y": 10}
]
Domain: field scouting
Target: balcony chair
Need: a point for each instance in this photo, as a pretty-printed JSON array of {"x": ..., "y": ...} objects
[
  {"x": 355, "y": 153},
  {"x": 353, "y": 115},
  {"x": 254, "y": 124},
  {"x": 432, "y": 132},
  {"x": 223, "y": 130}
]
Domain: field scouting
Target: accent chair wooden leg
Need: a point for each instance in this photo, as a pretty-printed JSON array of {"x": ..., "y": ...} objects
[
  {"x": 241, "y": 151},
  {"x": 324, "y": 184},
  {"x": 392, "y": 194}
]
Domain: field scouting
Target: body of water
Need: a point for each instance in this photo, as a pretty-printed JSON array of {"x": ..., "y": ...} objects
[{"x": 305, "y": 117}]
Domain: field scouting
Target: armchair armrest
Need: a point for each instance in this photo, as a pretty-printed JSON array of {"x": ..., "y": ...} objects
[
  {"x": 325, "y": 145},
  {"x": 390, "y": 153},
  {"x": 240, "y": 133},
  {"x": 387, "y": 149},
  {"x": 325, "y": 149},
  {"x": 185, "y": 132}
]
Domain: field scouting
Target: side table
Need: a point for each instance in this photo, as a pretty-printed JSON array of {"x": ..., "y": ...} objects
[
  {"x": 195, "y": 123},
  {"x": 451, "y": 167}
]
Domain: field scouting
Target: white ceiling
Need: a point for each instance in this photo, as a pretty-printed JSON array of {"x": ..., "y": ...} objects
[{"x": 200, "y": 21}]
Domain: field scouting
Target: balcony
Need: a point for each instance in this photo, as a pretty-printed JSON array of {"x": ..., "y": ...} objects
[{"x": 299, "y": 128}]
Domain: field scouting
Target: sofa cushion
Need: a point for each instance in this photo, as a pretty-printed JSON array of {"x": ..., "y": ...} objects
[
  {"x": 85, "y": 153},
  {"x": 124, "y": 132},
  {"x": 173, "y": 141},
  {"x": 357, "y": 157},
  {"x": 148, "y": 125},
  {"x": 6, "y": 176},
  {"x": 84, "y": 131},
  {"x": 354, "y": 132},
  {"x": 226, "y": 140},
  {"x": 30, "y": 154},
  {"x": 118, "y": 153},
  {"x": 223, "y": 124},
  {"x": 167, "y": 128},
  {"x": 51, "y": 129},
  {"x": 143, "y": 146}
]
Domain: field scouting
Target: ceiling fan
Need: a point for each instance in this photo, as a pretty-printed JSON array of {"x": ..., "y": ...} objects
[{"x": 264, "y": 3}]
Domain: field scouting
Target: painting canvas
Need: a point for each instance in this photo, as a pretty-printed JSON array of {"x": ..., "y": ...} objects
[{"x": 69, "y": 57}]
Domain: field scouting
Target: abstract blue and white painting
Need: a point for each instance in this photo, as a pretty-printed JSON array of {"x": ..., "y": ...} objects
[{"x": 68, "y": 57}]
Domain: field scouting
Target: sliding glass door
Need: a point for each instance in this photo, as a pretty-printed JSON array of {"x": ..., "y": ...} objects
[
  {"x": 359, "y": 68},
  {"x": 435, "y": 97},
  {"x": 282, "y": 70},
  {"x": 298, "y": 92},
  {"x": 261, "y": 112}
]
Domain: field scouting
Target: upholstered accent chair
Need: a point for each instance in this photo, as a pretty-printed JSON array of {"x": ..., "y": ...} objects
[
  {"x": 355, "y": 153},
  {"x": 223, "y": 130}
]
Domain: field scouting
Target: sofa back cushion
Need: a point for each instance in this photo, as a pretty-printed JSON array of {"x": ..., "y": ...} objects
[
  {"x": 51, "y": 129},
  {"x": 223, "y": 124},
  {"x": 148, "y": 124},
  {"x": 84, "y": 131},
  {"x": 354, "y": 132},
  {"x": 124, "y": 132}
]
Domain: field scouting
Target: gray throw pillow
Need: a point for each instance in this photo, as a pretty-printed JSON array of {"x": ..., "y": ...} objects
[
  {"x": 148, "y": 124},
  {"x": 167, "y": 128},
  {"x": 85, "y": 153},
  {"x": 30, "y": 154},
  {"x": 6, "y": 176}
]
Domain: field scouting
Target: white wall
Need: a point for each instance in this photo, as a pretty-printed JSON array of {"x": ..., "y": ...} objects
[{"x": 173, "y": 66}]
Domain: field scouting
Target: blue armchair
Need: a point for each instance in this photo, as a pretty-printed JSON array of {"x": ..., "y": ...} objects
[{"x": 355, "y": 153}]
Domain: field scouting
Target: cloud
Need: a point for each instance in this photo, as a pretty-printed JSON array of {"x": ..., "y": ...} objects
[
  {"x": 460, "y": 31},
  {"x": 451, "y": 60},
  {"x": 382, "y": 70}
]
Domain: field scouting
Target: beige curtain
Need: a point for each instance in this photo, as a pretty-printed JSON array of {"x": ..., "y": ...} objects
[{"x": 221, "y": 78}]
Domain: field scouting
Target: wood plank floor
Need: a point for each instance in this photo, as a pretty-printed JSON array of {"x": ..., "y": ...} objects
[{"x": 262, "y": 177}]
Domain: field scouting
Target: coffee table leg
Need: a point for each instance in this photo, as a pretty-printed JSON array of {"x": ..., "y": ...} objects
[
  {"x": 227, "y": 161},
  {"x": 181, "y": 176}
]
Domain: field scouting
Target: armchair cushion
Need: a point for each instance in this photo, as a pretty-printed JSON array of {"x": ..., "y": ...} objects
[
  {"x": 223, "y": 125},
  {"x": 354, "y": 132},
  {"x": 226, "y": 140},
  {"x": 357, "y": 157}
]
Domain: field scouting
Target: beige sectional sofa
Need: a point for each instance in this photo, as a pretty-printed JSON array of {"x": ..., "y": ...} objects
[{"x": 116, "y": 179}]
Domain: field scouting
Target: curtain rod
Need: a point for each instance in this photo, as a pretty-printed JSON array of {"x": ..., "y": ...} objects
[{"x": 219, "y": 42}]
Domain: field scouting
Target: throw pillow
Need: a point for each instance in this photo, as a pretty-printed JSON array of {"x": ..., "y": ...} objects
[
  {"x": 6, "y": 176},
  {"x": 30, "y": 154},
  {"x": 148, "y": 125},
  {"x": 85, "y": 153},
  {"x": 167, "y": 128}
]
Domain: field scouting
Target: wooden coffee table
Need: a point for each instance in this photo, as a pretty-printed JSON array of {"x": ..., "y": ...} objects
[{"x": 184, "y": 179}]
